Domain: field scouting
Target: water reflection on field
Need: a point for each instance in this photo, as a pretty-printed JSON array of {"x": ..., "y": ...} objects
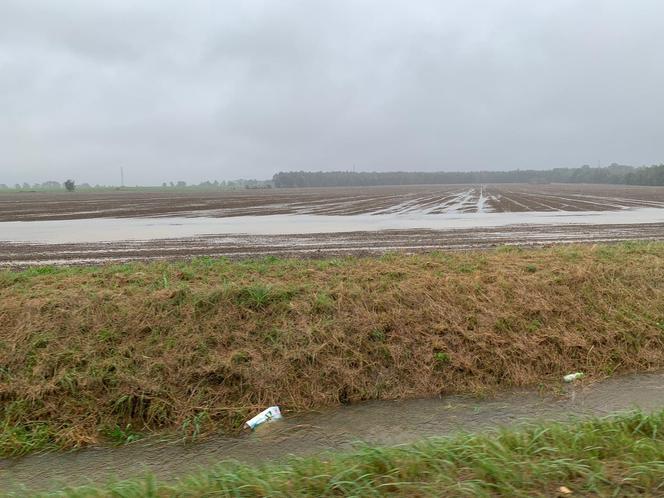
[{"x": 135, "y": 229}]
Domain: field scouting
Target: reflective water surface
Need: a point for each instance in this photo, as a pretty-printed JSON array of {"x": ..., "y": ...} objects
[{"x": 124, "y": 229}]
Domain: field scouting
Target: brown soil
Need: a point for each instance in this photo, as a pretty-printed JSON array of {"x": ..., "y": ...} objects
[
  {"x": 355, "y": 200},
  {"x": 156, "y": 345},
  {"x": 319, "y": 245},
  {"x": 338, "y": 201}
]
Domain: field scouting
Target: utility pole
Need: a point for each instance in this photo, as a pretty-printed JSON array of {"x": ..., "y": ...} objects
[{"x": 121, "y": 176}]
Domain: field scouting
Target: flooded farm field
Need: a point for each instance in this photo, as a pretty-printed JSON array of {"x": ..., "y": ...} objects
[
  {"x": 431, "y": 199},
  {"x": 377, "y": 423},
  {"x": 86, "y": 228}
]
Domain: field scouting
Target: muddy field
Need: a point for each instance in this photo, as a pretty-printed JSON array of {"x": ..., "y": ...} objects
[
  {"x": 437, "y": 199},
  {"x": 55, "y": 228},
  {"x": 319, "y": 245}
]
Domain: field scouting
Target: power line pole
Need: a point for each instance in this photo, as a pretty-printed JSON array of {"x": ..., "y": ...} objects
[{"x": 121, "y": 176}]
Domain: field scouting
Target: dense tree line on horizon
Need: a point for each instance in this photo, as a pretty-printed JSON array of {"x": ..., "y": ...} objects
[{"x": 613, "y": 174}]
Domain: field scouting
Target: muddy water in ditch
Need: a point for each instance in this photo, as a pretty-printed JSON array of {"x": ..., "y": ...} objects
[{"x": 378, "y": 423}]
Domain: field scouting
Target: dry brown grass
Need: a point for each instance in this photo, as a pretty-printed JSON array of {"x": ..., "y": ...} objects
[{"x": 88, "y": 350}]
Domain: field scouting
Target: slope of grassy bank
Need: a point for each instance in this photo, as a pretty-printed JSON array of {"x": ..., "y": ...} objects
[
  {"x": 102, "y": 353},
  {"x": 617, "y": 456}
]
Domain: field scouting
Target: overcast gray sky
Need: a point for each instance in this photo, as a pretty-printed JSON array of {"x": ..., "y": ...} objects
[{"x": 212, "y": 89}]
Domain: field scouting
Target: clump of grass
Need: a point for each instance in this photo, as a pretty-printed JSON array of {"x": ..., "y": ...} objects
[
  {"x": 260, "y": 296},
  {"x": 613, "y": 456},
  {"x": 467, "y": 268},
  {"x": 240, "y": 357},
  {"x": 120, "y": 436},
  {"x": 107, "y": 335},
  {"x": 192, "y": 427},
  {"x": 323, "y": 303},
  {"x": 441, "y": 358},
  {"x": 16, "y": 440},
  {"x": 503, "y": 325},
  {"x": 377, "y": 335}
]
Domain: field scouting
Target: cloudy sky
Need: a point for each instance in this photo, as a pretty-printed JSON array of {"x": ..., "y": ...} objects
[{"x": 221, "y": 89}]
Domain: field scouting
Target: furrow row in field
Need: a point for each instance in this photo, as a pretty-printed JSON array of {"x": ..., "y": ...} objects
[
  {"x": 411, "y": 200},
  {"x": 313, "y": 245}
]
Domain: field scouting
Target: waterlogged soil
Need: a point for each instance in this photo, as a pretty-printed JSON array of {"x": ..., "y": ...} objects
[
  {"x": 423, "y": 199},
  {"x": 376, "y": 423},
  {"x": 318, "y": 245},
  {"x": 90, "y": 228}
]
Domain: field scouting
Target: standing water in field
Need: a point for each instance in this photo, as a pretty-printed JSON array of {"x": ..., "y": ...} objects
[
  {"x": 92, "y": 230},
  {"x": 379, "y": 423},
  {"x": 95, "y": 228}
]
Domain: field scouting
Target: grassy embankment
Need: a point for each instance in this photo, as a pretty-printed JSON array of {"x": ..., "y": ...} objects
[
  {"x": 618, "y": 456},
  {"x": 108, "y": 352}
]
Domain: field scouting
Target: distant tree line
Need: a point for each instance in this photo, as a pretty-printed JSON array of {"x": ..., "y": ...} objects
[
  {"x": 49, "y": 185},
  {"x": 614, "y": 174},
  {"x": 223, "y": 184},
  {"x": 70, "y": 185}
]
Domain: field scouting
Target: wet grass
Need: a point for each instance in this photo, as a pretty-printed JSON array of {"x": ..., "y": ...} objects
[
  {"x": 86, "y": 353},
  {"x": 614, "y": 456}
]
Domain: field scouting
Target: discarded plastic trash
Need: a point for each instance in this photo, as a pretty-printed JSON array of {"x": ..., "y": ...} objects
[
  {"x": 573, "y": 376},
  {"x": 268, "y": 415}
]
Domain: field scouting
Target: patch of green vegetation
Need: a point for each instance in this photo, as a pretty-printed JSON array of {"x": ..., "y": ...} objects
[
  {"x": 128, "y": 406},
  {"x": 43, "y": 270},
  {"x": 260, "y": 296},
  {"x": 467, "y": 268},
  {"x": 181, "y": 295},
  {"x": 612, "y": 456},
  {"x": 270, "y": 260},
  {"x": 69, "y": 382},
  {"x": 5, "y": 372},
  {"x": 21, "y": 439},
  {"x": 186, "y": 275},
  {"x": 192, "y": 427},
  {"x": 121, "y": 436},
  {"x": 207, "y": 261},
  {"x": 394, "y": 276},
  {"x": 377, "y": 335},
  {"x": 503, "y": 325},
  {"x": 240, "y": 357},
  {"x": 441, "y": 358},
  {"x": 530, "y": 268},
  {"x": 40, "y": 342},
  {"x": 165, "y": 283},
  {"x": 106, "y": 335},
  {"x": 207, "y": 301},
  {"x": 10, "y": 278},
  {"x": 324, "y": 264},
  {"x": 272, "y": 335},
  {"x": 323, "y": 303}
]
